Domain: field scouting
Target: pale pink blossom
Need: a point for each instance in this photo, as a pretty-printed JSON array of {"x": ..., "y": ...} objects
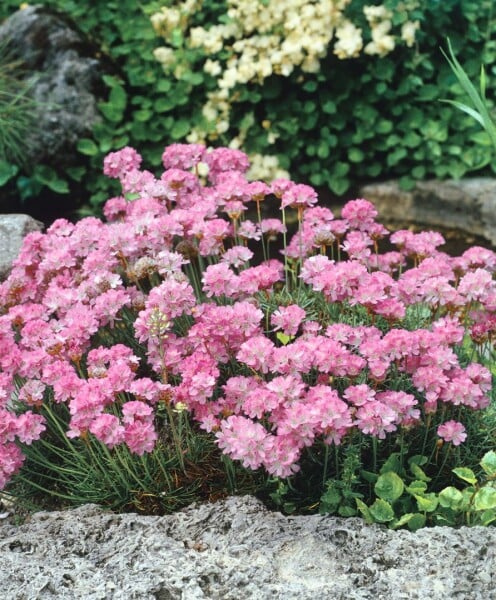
[{"x": 452, "y": 431}]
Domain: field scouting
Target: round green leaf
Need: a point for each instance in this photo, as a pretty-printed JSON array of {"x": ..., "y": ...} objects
[
  {"x": 451, "y": 498},
  {"x": 389, "y": 486},
  {"x": 59, "y": 186},
  {"x": 87, "y": 147},
  {"x": 427, "y": 502},
  {"x": 488, "y": 463},
  {"x": 466, "y": 474},
  {"x": 416, "y": 522},
  {"x": 180, "y": 129},
  {"x": 118, "y": 97},
  {"x": 381, "y": 511},
  {"x": 485, "y": 498}
]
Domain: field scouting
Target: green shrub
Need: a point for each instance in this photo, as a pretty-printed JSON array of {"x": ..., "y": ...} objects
[{"x": 354, "y": 120}]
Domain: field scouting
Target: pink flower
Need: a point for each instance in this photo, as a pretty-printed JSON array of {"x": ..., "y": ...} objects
[
  {"x": 452, "y": 431},
  {"x": 299, "y": 195},
  {"x": 118, "y": 163},
  {"x": 359, "y": 213},
  {"x": 107, "y": 429},
  {"x": 219, "y": 280},
  {"x": 140, "y": 436},
  {"x": 256, "y": 353},
  {"x": 136, "y": 410},
  {"x": 242, "y": 439},
  {"x": 221, "y": 160},
  {"x": 182, "y": 156},
  {"x": 288, "y": 318},
  {"x": 359, "y": 394},
  {"x": 11, "y": 460},
  {"x": 376, "y": 419}
]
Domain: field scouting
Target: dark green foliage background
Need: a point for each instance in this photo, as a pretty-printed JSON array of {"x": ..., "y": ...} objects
[{"x": 356, "y": 120}]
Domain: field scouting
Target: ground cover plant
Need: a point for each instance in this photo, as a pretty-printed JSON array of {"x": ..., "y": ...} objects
[
  {"x": 313, "y": 123},
  {"x": 172, "y": 352}
]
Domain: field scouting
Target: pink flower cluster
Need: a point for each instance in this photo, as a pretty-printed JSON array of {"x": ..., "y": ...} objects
[{"x": 160, "y": 306}]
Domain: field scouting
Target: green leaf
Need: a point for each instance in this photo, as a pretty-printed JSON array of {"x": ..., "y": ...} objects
[
  {"x": 76, "y": 173},
  {"x": 164, "y": 85},
  {"x": 323, "y": 150},
  {"x": 481, "y": 137},
  {"x": 404, "y": 520},
  {"x": 487, "y": 517},
  {"x": 418, "y": 472},
  {"x": 451, "y": 498},
  {"x": 355, "y": 155},
  {"x": 164, "y": 105},
  {"x": 488, "y": 463},
  {"x": 420, "y": 459},
  {"x": 193, "y": 78},
  {"x": 419, "y": 172},
  {"x": 330, "y": 500},
  {"x": 310, "y": 86},
  {"x": 180, "y": 129},
  {"x": 369, "y": 476},
  {"x": 283, "y": 338},
  {"x": 339, "y": 186},
  {"x": 427, "y": 502},
  {"x": 118, "y": 97},
  {"x": 406, "y": 183},
  {"x": 428, "y": 93},
  {"x": 485, "y": 498},
  {"x": 364, "y": 509},
  {"x": 346, "y": 511},
  {"x": 329, "y": 107},
  {"x": 381, "y": 511},
  {"x": 44, "y": 174},
  {"x": 87, "y": 147},
  {"x": 111, "y": 112},
  {"x": 384, "y": 126},
  {"x": 110, "y": 80},
  {"x": 340, "y": 168},
  {"x": 416, "y": 487},
  {"x": 466, "y": 474},
  {"x": 47, "y": 176},
  {"x": 7, "y": 171},
  {"x": 393, "y": 463},
  {"x": 416, "y": 522},
  {"x": 389, "y": 486},
  {"x": 60, "y": 186}
]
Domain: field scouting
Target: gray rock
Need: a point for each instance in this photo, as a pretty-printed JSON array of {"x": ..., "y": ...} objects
[
  {"x": 468, "y": 205},
  {"x": 236, "y": 549},
  {"x": 13, "y": 229},
  {"x": 64, "y": 75}
]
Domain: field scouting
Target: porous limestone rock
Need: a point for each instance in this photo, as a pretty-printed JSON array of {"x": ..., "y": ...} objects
[
  {"x": 468, "y": 205},
  {"x": 64, "y": 74},
  {"x": 13, "y": 229},
  {"x": 236, "y": 549}
]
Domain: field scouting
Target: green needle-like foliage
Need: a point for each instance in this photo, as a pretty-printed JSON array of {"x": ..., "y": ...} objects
[{"x": 17, "y": 112}]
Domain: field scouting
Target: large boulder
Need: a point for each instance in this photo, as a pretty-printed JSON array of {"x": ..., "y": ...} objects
[
  {"x": 468, "y": 205},
  {"x": 13, "y": 229},
  {"x": 63, "y": 71},
  {"x": 237, "y": 549}
]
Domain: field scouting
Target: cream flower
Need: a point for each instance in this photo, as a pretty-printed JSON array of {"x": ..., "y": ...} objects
[
  {"x": 408, "y": 31},
  {"x": 349, "y": 42}
]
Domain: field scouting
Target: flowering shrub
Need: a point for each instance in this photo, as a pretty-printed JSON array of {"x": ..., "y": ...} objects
[
  {"x": 159, "y": 313},
  {"x": 313, "y": 125},
  {"x": 253, "y": 41}
]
